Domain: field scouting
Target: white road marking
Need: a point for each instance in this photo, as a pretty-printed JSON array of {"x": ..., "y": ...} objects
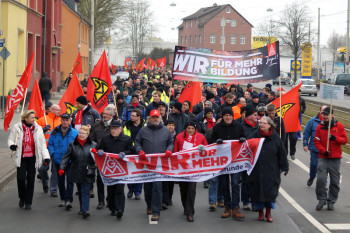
[
  {"x": 300, "y": 209},
  {"x": 301, "y": 165},
  {"x": 338, "y": 226},
  {"x": 150, "y": 221}
]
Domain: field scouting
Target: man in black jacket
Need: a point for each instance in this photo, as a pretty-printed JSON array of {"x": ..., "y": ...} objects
[
  {"x": 228, "y": 129},
  {"x": 85, "y": 114},
  {"x": 302, "y": 110},
  {"x": 280, "y": 129},
  {"x": 180, "y": 118},
  {"x": 45, "y": 86},
  {"x": 118, "y": 143}
]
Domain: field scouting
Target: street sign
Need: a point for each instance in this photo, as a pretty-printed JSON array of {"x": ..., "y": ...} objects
[
  {"x": 4, "y": 53},
  {"x": 295, "y": 65},
  {"x": 333, "y": 92}
]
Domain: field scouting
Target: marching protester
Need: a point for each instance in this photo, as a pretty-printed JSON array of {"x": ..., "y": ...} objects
[
  {"x": 228, "y": 129},
  {"x": 59, "y": 141},
  {"x": 301, "y": 112},
  {"x": 186, "y": 107},
  {"x": 118, "y": 143},
  {"x": 45, "y": 86},
  {"x": 279, "y": 123},
  {"x": 329, "y": 158},
  {"x": 134, "y": 104},
  {"x": 121, "y": 104},
  {"x": 154, "y": 138},
  {"x": 308, "y": 143},
  {"x": 131, "y": 129},
  {"x": 28, "y": 144},
  {"x": 162, "y": 108},
  {"x": 49, "y": 123},
  {"x": 82, "y": 167},
  {"x": 85, "y": 114},
  {"x": 229, "y": 101},
  {"x": 180, "y": 118},
  {"x": 153, "y": 104},
  {"x": 265, "y": 180},
  {"x": 207, "y": 122},
  {"x": 237, "y": 109},
  {"x": 188, "y": 139}
]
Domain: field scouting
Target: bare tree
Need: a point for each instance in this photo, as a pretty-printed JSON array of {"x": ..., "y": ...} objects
[
  {"x": 294, "y": 26},
  {"x": 335, "y": 41},
  {"x": 107, "y": 13},
  {"x": 137, "y": 24},
  {"x": 268, "y": 28}
]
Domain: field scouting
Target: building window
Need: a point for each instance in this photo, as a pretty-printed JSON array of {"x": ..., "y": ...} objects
[
  {"x": 242, "y": 39},
  {"x": 233, "y": 23},
  {"x": 190, "y": 39},
  {"x": 222, "y": 39},
  {"x": 200, "y": 39},
  {"x": 212, "y": 38},
  {"x": 195, "y": 39},
  {"x": 185, "y": 40},
  {"x": 181, "y": 41},
  {"x": 228, "y": 10},
  {"x": 38, "y": 53},
  {"x": 191, "y": 23},
  {"x": 186, "y": 23},
  {"x": 222, "y": 23},
  {"x": 233, "y": 39}
]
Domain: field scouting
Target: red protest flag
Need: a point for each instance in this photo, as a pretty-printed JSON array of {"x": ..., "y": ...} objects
[
  {"x": 192, "y": 92},
  {"x": 74, "y": 90},
  {"x": 18, "y": 94},
  {"x": 127, "y": 61},
  {"x": 141, "y": 64},
  {"x": 36, "y": 102},
  {"x": 290, "y": 109},
  {"x": 99, "y": 85},
  {"x": 78, "y": 67},
  {"x": 113, "y": 69},
  {"x": 161, "y": 62},
  {"x": 151, "y": 64},
  {"x": 133, "y": 65}
]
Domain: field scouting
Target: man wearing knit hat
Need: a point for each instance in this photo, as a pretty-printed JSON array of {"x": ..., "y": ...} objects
[
  {"x": 121, "y": 104},
  {"x": 85, "y": 114},
  {"x": 216, "y": 108},
  {"x": 134, "y": 104},
  {"x": 180, "y": 118}
]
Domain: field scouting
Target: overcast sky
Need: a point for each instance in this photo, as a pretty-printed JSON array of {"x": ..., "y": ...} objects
[{"x": 333, "y": 14}]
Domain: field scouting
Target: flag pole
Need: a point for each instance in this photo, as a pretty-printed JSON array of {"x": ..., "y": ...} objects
[
  {"x": 115, "y": 103},
  {"x": 329, "y": 124},
  {"x": 24, "y": 101},
  {"x": 280, "y": 106},
  {"x": 167, "y": 115}
]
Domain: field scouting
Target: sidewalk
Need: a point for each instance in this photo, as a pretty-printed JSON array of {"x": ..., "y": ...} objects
[{"x": 7, "y": 168}]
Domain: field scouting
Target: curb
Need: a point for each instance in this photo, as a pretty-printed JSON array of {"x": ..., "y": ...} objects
[{"x": 7, "y": 178}]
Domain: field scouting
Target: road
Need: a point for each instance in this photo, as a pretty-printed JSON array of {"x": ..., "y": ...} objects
[
  {"x": 295, "y": 211},
  {"x": 345, "y": 103}
]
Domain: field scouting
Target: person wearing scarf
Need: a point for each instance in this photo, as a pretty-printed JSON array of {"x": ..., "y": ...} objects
[
  {"x": 208, "y": 121},
  {"x": 265, "y": 179},
  {"x": 188, "y": 139},
  {"x": 27, "y": 141}
]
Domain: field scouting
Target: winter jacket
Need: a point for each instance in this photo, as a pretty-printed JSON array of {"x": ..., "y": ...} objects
[
  {"x": 99, "y": 130},
  {"x": 203, "y": 126},
  {"x": 151, "y": 106},
  {"x": 227, "y": 132},
  {"x": 45, "y": 84},
  {"x": 302, "y": 105},
  {"x": 52, "y": 120},
  {"x": 128, "y": 109},
  {"x": 249, "y": 129},
  {"x": 154, "y": 139},
  {"x": 80, "y": 158},
  {"x": 265, "y": 179},
  {"x": 199, "y": 139},
  {"x": 89, "y": 116},
  {"x": 236, "y": 111},
  {"x": 190, "y": 115},
  {"x": 280, "y": 125},
  {"x": 335, "y": 151},
  {"x": 122, "y": 143},
  {"x": 41, "y": 151},
  {"x": 132, "y": 131},
  {"x": 120, "y": 108},
  {"x": 58, "y": 144},
  {"x": 180, "y": 121},
  {"x": 227, "y": 105},
  {"x": 309, "y": 133}
]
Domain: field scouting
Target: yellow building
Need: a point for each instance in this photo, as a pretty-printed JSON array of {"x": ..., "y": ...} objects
[{"x": 14, "y": 27}]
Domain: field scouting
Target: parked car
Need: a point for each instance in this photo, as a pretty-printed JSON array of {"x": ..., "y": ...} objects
[
  {"x": 308, "y": 86},
  {"x": 123, "y": 76},
  {"x": 284, "y": 80},
  {"x": 343, "y": 80}
]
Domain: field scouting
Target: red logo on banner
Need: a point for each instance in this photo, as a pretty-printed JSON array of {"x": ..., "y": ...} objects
[
  {"x": 271, "y": 48},
  {"x": 245, "y": 154},
  {"x": 112, "y": 167}
]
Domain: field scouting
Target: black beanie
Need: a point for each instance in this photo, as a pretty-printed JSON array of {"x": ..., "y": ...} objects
[
  {"x": 189, "y": 103},
  {"x": 120, "y": 96},
  {"x": 227, "y": 110},
  {"x": 191, "y": 123},
  {"x": 206, "y": 110},
  {"x": 250, "y": 110},
  {"x": 82, "y": 100},
  {"x": 178, "y": 106},
  {"x": 210, "y": 96}
]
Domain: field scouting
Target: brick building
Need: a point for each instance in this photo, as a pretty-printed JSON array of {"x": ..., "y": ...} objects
[{"x": 204, "y": 29}]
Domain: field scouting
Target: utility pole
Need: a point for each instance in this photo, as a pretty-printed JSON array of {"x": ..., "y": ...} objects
[
  {"x": 109, "y": 47},
  {"x": 92, "y": 36},
  {"x": 347, "y": 40},
  {"x": 318, "y": 47},
  {"x": 223, "y": 33}
]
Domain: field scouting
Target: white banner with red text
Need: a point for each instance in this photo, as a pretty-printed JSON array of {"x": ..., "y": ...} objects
[{"x": 189, "y": 165}]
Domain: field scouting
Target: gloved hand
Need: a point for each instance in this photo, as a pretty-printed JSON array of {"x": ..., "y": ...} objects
[
  {"x": 61, "y": 172},
  {"x": 242, "y": 139},
  {"x": 168, "y": 153},
  {"x": 285, "y": 172},
  {"x": 46, "y": 162},
  {"x": 326, "y": 153},
  {"x": 332, "y": 138},
  {"x": 13, "y": 147},
  {"x": 121, "y": 155},
  {"x": 46, "y": 128},
  {"x": 93, "y": 150},
  {"x": 201, "y": 147},
  {"x": 100, "y": 152},
  {"x": 219, "y": 141},
  {"x": 142, "y": 155}
]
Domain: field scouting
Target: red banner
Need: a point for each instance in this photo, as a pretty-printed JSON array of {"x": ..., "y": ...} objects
[
  {"x": 74, "y": 90},
  {"x": 141, "y": 65},
  {"x": 18, "y": 94},
  {"x": 99, "y": 85},
  {"x": 289, "y": 108},
  {"x": 192, "y": 92},
  {"x": 36, "y": 102},
  {"x": 161, "y": 62},
  {"x": 189, "y": 165}
]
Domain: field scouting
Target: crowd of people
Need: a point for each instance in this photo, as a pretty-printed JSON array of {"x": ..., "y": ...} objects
[{"x": 144, "y": 117}]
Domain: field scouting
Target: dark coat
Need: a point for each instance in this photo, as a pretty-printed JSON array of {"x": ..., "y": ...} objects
[
  {"x": 122, "y": 143},
  {"x": 302, "y": 105},
  {"x": 99, "y": 131},
  {"x": 227, "y": 132},
  {"x": 180, "y": 121},
  {"x": 120, "y": 108},
  {"x": 248, "y": 129},
  {"x": 265, "y": 179},
  {"x": 89, "y": 116},
  {"x": 278, "y": 126},
  {"x": 45, "y": 84},
  {"x": 81, "y": 158}
]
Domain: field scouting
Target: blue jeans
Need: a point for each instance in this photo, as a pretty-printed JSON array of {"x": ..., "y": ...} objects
[
  {"x": 135, "y": 188},
  {"x": 300, "y": 120},
  {"x": 313, "y": 164},
  {"x": 84, "y": 198},
  {"x": 66, "y": 193},
  {"x": 231, "y": 201},
  {"x": 215, "y": 194},
  {"x": 153, "y": 196}
]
